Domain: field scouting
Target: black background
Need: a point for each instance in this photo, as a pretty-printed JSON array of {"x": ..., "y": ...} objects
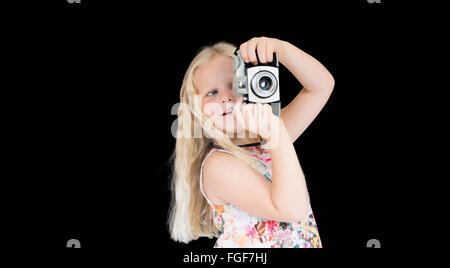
[{"x": 88, "y": 88}]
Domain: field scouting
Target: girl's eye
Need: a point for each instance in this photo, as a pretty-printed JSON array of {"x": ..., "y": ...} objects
[{"x": 212, "y": 92}]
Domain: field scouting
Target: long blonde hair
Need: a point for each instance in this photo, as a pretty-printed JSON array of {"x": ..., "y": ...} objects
[{"x": 190, "y": 216}]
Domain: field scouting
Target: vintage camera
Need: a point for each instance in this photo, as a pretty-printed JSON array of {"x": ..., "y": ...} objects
[{"x": 257, "y": 83}]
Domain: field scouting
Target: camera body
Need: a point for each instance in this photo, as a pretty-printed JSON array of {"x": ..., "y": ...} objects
[{"x": 257, "y": 83}]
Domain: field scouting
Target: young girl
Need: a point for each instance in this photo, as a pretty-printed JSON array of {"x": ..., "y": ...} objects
[{"x": 239, "y": 178}]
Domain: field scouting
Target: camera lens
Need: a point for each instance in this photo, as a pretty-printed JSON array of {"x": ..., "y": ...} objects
[{"x": 264, "y": 84}]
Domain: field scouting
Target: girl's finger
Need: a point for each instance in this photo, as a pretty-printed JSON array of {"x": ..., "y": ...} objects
[
  {"x": 243, "y": 50},
  {"x": 248, "y": 117},
  {"x": 261, "y": 48},
  {"x": 237, "y": 112},
  {"x": 245, "y": 117},
  {"x": 254, "y": 118},
  {"x": 255, "y": 110},
  {"x": 237, "y": 106},
  {"x": 260, "y": 119},
  {"x": 251, "y": 53},
  {"x": 268, "y": 108},
  {"x": 269, "y": 116},
  {"x": 269, "y": 51}
]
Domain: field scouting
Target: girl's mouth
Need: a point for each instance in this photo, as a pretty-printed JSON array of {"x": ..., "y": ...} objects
[{"x": 227, "y": 113}]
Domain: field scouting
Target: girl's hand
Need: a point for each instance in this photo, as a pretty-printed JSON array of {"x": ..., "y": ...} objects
[
  {"x": 256, "y": 118},
  {"x": 264, "y": 47}
]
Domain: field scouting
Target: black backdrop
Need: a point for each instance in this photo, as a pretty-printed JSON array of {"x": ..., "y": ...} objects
[{"x": 86, "y": 108}]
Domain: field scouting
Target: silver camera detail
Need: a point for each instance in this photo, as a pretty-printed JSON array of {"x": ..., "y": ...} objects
[{"x": 257, "y": 83}]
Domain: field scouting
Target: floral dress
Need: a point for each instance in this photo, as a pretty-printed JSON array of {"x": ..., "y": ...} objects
[{"x": 239, "y": 229}]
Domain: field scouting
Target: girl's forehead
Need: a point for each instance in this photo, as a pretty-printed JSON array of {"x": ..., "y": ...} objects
[
  {"x": 218, "y": 65},
  {"x": 218, "y": 70}
]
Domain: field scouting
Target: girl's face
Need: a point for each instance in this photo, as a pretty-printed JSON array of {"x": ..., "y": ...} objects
[{"x": 214, "y": 84}]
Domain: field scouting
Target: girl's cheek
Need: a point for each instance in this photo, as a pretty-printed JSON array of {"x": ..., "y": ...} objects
[
  {"x": 207, "y": 112},
  {"x": 211, "y": 109}
]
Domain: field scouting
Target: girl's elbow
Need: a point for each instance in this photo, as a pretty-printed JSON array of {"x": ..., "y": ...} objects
[
  {"x": 332, "y": 83},
  {"x": 327, "y": 86},
  {"x": 299, "y": 215}
]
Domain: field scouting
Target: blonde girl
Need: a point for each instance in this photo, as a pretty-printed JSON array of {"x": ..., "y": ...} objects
[{"x": 236, "y": 175}]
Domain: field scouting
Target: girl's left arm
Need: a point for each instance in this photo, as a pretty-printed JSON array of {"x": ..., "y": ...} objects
[{"x": 317, "y": 81}]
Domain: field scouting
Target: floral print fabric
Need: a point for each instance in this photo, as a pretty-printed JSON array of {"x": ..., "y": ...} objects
[{"x": 238, "y": 229}]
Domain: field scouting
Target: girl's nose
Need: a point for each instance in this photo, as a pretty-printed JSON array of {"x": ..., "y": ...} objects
[{"x": 227, "y": 99}]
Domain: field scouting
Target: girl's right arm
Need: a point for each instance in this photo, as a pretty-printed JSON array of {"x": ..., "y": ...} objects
[
  {"x": 289, "y": 191},
  {"x": 229, "y": 179}
]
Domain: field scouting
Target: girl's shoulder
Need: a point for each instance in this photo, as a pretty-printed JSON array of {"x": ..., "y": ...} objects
[
  {"x": 215, "y": 158},
  {"x": 218, "y": 157},
  {"x": 215, "y": 153},
  {"x": 212, "y": 164}
]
